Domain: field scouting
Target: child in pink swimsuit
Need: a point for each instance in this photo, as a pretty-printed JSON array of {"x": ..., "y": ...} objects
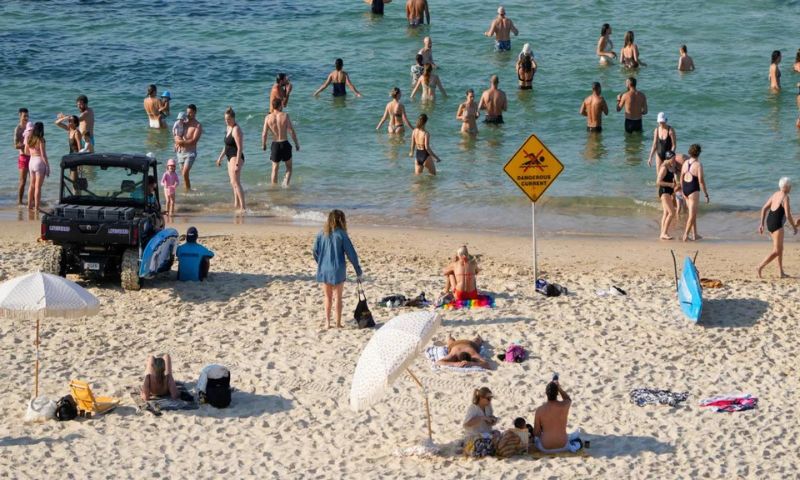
[{"x": 170, "y": 181}]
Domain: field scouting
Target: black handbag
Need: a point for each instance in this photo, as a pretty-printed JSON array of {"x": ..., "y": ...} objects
[{"x": 362, "y": 315}]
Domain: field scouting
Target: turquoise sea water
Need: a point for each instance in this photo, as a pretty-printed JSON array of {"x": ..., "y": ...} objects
[{"x": 216, "y": 54}]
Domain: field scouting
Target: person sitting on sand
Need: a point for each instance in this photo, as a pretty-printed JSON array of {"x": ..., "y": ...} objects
[
  {"x": 776, "y": 211},
  {"x": 479, "y": 437},
  {"x": 515, "y": 441},
  {"x": 464, "y": 353},
  {"x": 550, "y": 421},
  {"x": 158, "y": 379},
  {"x": 461, "y": 275}
]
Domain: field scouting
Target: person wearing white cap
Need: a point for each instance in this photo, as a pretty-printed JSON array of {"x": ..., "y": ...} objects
[
  {"x": 417, "y": 13},
  {"x": 501, "y": 28},
  {"x": 664, "y": 140}
]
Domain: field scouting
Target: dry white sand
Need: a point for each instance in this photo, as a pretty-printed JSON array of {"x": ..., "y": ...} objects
[{"x": 260, "y": 314}]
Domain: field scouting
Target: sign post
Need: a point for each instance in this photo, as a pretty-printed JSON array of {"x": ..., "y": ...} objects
[{"x": 533, "y": 169}]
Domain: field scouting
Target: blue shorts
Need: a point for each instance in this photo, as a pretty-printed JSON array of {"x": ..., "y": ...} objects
[
  {"x": 502, "y": 45},
  {"x": 186, "y": 158}
]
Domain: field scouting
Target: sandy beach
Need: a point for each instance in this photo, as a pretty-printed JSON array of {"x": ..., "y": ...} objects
[{"x": 259, "y": 313}]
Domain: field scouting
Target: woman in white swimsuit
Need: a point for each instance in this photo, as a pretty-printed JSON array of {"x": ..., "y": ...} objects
[{"x": 605, "y": 48}]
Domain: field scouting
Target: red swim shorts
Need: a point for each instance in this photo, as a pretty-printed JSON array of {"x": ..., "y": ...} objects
[{"x": 23, "y": 161}]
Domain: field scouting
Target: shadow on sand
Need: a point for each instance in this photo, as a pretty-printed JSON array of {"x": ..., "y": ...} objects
[
  {"x": 25, "y": 441},
  {"x": 732, "y": 312},
  {"x": 611, "y": 446}
]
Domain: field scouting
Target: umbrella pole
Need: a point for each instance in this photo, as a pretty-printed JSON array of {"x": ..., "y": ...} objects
[
  {"x": 36, "y": 375},
  {"x": 427, "y": 407}
]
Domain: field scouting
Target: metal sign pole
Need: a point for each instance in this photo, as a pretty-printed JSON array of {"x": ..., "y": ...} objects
[{"x": 533, "y": 229}]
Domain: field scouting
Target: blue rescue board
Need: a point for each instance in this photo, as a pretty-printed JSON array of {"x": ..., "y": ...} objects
[
  {"x": 690, "y": 293},
  {"x": 159, "y": 253}
]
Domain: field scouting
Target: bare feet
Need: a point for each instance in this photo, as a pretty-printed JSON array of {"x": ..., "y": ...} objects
[
  {"x": 758, "y": 272},
  {"x": 665, "y": 237},
  {"x": 697, "y": 237},
  {"x": 783, "y": 275},
  {"x": 339, "y": 325},
  {"x": 685, "y": 237}
]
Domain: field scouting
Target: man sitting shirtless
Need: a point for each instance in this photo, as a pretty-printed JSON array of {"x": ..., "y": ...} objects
[
  {"x": 158, "y": 379},
  {"x": 464, "y": 353},
  {"x": 550, "y": 421},
  {"x": 460, "y": 275}
]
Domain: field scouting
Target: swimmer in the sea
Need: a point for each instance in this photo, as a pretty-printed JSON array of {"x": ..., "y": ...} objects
[
  {"x": 396, "y": 113},
  {"x": 468, "y": 114},
  {"x": 605, "y": 47}
]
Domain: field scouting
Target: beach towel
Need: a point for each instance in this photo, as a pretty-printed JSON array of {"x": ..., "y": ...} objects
[
  {"x": 186, "y": 401},
  {"x": 574, "y": 444},
  {"x": 438, "y": 352},
  {"x": 731, "y": 403},
  {"x": 652, "y": 396},
  {"x": 710, "y": 283},
  {"x": 483, "y": 301}
]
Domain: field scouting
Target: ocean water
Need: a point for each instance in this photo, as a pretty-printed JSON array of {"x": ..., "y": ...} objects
[{"x": 217, "y": 54}]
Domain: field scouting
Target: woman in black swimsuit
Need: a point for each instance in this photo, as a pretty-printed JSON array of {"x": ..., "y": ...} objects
[
  {"x": 664, "y": 140},
  {"x": 233, "y": 150},
  {"x": 666, "y": 193},
  {"x": 691, "y": 181},
  {"x": 776, "y": 211},
  {"x": 526, "y": 69},
  {"x": 421, "y": 148},
  {"x": 339, "y": 78}
]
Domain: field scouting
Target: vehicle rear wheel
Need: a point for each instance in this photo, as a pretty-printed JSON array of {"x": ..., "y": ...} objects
[
  {"x": 53, "y": 260},
  {"x": 129, "y": 270}
]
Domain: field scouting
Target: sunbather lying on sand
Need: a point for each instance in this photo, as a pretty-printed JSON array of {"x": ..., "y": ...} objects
[
  {"x": 461, "y": 274},
  {"x": 158, "y": 380},
  {"x": 464, "y": 353}
]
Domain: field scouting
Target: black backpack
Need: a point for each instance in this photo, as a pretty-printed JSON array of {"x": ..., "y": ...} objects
[
  {"x": 66, "y": 408},
  {"x": 218, "y": 391},
  {"x": 362, "y": 315}
]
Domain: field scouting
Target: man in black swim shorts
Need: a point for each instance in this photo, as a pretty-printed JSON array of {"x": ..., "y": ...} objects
[
  {"x": 635, "y": 104},
  {"x": 279, "y": 124},
  {"x": 494, "y": 101}
]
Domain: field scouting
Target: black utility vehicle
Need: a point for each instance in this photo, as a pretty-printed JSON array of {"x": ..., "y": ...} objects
[{"x": 107, "y": 212}]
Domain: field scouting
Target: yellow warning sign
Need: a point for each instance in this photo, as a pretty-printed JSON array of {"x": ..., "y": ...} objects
[{"x": 533, "y": 168}]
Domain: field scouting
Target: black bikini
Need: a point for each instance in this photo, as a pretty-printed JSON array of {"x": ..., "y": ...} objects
[
  {"x": 692, "y": 185},
  {"x": 776, "y": 219},
  {"x": 377, "y": 7}
]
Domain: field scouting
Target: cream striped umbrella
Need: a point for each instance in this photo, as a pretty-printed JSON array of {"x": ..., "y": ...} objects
[
  {"x": 38, "y": 295},
  {"x": 388, "y": 355}
]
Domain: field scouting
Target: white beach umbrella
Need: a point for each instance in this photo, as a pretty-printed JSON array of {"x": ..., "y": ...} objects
[
  {"x": 38, "y": 295},
  {"x": 388, "y": 354}
]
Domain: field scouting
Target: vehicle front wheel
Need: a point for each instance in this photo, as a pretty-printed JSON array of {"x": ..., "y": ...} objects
[
  {"x": 53, "y": 261},
  {"x": 129, "y": 270}
]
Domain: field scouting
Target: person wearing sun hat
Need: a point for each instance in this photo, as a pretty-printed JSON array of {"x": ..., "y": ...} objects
[
  {"x": 163, "y": 106},
  {"x": 170, "y": 181},
  {"x": 664, "y": 140}
]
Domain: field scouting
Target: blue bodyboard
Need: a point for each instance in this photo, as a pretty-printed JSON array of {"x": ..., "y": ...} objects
[
  {"x": 159, "y": 253},
  {"x": 690, "y": 293}
]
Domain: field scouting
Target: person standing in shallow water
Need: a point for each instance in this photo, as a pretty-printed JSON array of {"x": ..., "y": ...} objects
[
  {"x": 468, "y": 114},
  {"x": 279, "y": 123},
  {"x": 635, "y": 104},
  {"x": 666, "y": 175},
  {"x": 776, "y": 211},
  {"x": 421, "y": 148},
  {"x": 339, "y": 79},
  {"x": 396, "y": 113},
  {"x": 692, "y": 180},
  {"x": 629, "y": 55},
  {"x": 685, "y": 62},
  {"x": 605, "y": 47},
  {"x": 664, "y": 140},
  {"x": 23, "y": 159},
  {"x": 234, "y": 151},
  {"x": 494, "y": 101},
  {"x": 417, "y": 13},
  {"x": 593, "y": 108},
  {"x": 152, "y": 106},
  {"x": 376, "y": 6},
  {"x": 331, "y": 247},
  {"x": 775, "y": 71},
  {"x": 501, "y": 29}
]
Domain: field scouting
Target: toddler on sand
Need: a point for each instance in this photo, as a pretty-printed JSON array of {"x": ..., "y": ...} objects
[{"x": 170, "y": 181}]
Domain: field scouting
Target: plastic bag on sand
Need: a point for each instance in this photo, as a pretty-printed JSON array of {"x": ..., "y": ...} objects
[
  {"x": 425, "y": 449},
  {"x": 40, "y": 409}
]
